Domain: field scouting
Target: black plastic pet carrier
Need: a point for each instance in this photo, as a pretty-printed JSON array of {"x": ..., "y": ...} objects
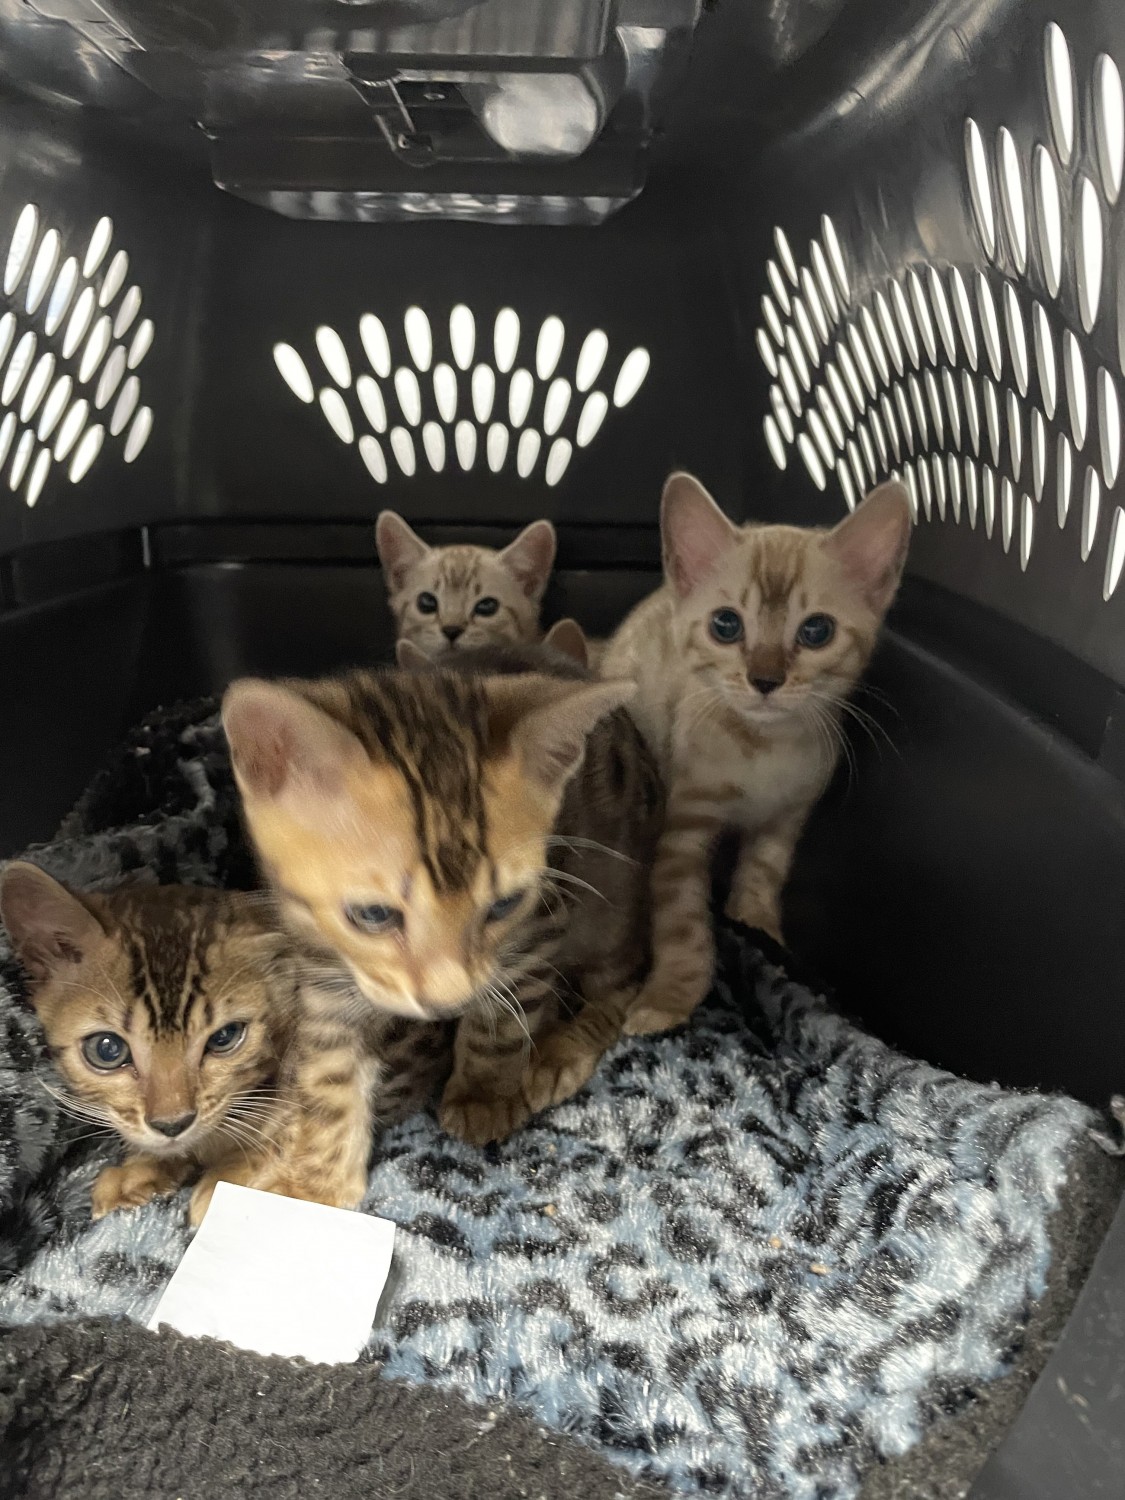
[{"x": 269, "y": 268}]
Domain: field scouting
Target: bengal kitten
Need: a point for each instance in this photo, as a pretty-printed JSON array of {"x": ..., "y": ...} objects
[
  {"x": 744, "y": 659},
  {"x": 167, "y": 1011},
  {"x": 462, "y": 860},
  {"x": 451, "y": 598}
]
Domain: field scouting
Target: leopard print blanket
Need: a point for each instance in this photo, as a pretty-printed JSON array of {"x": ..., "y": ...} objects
[{"x": 750, "y": 1259}]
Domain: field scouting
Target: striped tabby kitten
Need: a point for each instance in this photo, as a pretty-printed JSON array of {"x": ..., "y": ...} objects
[
  {"x": 744, "y": 659},
  {"x": 167, "y": 1011},
  {"x": 458, "y": 857},
  {"x": 446, "y": 598}
]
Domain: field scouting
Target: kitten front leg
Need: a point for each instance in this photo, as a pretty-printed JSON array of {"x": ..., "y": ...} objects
[
  {"x": 565, "y": 1059},
  {"x": 764, "y": 860},
  {"x": 484, "y": 1099},
  {"x": 137, "y": 1181}
]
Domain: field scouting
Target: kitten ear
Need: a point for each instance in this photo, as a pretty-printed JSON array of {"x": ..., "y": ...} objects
[
  {"x": 531, "y": 557},
  {"x": 567, "y": 637},
  {"x": 49, "y": 926},
  {"x": 412, "y": 658},
  {"x": 546, "y": 720},
  {"x": 694, "y": 532},
  {"x": 871, "y": 544},
  {"x": 399, "y": 547},
  {"x": 280, "y": 742}
]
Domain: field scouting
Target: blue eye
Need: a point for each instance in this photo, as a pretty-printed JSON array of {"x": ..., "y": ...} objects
[
  {"x": 816, "y": 631},
  {"x": 726, "y": 626},
  {"x": 486, "y": 606},
  {"x": 504, "y": 907},
  {"x": 227, "y": 1038},
  {"x": 105, "y": 1050},
  {"x": 373, "y": 919},
  {"x": 427, "y": 603}
]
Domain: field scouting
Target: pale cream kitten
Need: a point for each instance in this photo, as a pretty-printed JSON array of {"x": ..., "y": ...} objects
[
  {"x": 744, "y": 659},
  {"x": 459, "y": 597}
]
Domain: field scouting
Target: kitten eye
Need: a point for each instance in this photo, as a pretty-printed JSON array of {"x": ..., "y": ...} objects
[
  {"x": 227, "y": 1038},
  {"x": 486, "y": 606},
  {"x": 726, "y": 626},
  {"x": 105, "y": 1050},
  {"x": 504, "y": 907},
  {"x": 816, "y": 631},
  {"x": 373, "y": 919},
  {"x": 427, "y": 603}
]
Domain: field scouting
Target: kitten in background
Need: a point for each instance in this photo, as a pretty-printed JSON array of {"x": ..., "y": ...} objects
[
  {"x": 744, "y": 660},
  {"x": 451, "y": 598},
  {"x": 167, "y": 1011}
]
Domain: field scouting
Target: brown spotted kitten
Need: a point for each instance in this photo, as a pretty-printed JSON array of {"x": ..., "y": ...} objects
[
  {"x": 744, "y": 660},
  {"x": 463, "y": 862},
  {"x": 446, "y": 598},
  {"x": 167, "y": 1011}
]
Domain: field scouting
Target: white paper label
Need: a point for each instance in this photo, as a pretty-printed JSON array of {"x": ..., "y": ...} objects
[{"x": 280, "y": 1276}]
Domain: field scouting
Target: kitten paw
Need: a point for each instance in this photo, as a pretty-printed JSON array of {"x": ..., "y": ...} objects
[
  {"x": 477, "y": 1121},
  {"x": 242, "y": 1174},
  {"x": 647, "y": 1020},
  {"x": 557, "y": 1076},
  {"x": 132, "y": 1185},
  {"x": 749, "y": 914},
  {"x": 342, "y": 1192}
]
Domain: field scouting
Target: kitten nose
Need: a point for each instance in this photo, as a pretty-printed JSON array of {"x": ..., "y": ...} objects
[
  {"x": 766, "y": 685},
  {"x": 172, "y": 1128},
  {"x": 451, "y": 632}
]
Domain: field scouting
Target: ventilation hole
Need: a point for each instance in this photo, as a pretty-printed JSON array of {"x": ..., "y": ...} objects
[
  {"x": 963, "y": 312},
  {"x": 805, "y": 329},
  {"x": 847, "y": 364},
  {"x": 1017, "y": 338},
  {"x": 919, "y": 411},
  {"x": 402, "y": 446},
  {"x": 142, "y": 343},
  {"x": 797, "y": 359},
  {"x": 419, "y": 338},
  {"x": 465, "y": 442},
  {"x": 371, "y": 400},
  {"x": 114, "y": 279},
  {"x": 1038, "y": 452},
  {"x": 765, "y": 349},
  {"x": 868, "y": 451},
  {"x": 949, "y": 386},
  {"x": 789, "y": 385},
  {"x": 1048, "y": 219},
  {"x": 79, "y": 323},
  {"x": 549, "y": 347},
  {"x": 912, "y": 490},
  {"x": 990, "y": 328},
  {"x": 1088, "y": 253},
  {"x": 953, "y": 465},
  {"x": 1045, "y": 360},
  {"x": 1027, "y": 530},
  {"x": 1109, "y": 129},
  {"x": 96, "y": 250},
  {"x": 332, "y": 405},
  {"x": 926, "y": 489},
  {"x": 891, "y": 427},
  {"x": 942, "y": 316},
  {"x": 1007, "y": 513},
  {"x": 934, "y": 400},
  {"x": 778, "y": 288},
  {"x": 96, "y": 346},
  {"x": 785, "y": 254},
  {"x": 875, "y": 425},
  {"x": 1060, "y": 90},
  {"x": 557, "y": 460},
  {"x": 938, "y": 469},
  {"x": 39, "y": 471},
  {"x": 972, "y": 410},
  {"x": 463, "y": 336},
  {"x": 1064, "y": 472},
  {"x": 46, "y": 261},
  {"x": 840, "y": 395},
  {"x": 591, "y": 418},
  {"x": 904, "y": 417},
  {"x": 371, "y": 451},
  {"x": 1091, "y": 505},
  {"x": 445, "y": 391},
  {"x": 972, "y": 492},
  {"x": 630, "y": 378},
  {"x": 862, "y": 360},
  {"x": 824, "y": 279},
  {"x": 18, "y": 366},
  {"x": 330, "y": 347},
  {"x": 496, "y": 446},
  {"x": 63, "y": 290},
  {"x": 1076, "y": 400},
  {"x": 814, "y": 304},
  {"x": 992, "y": 416},
  {"x": 980, "y": 190},
  {"x": 830, "y": 415},
  {"x": 1109, "y": 427},
  {"x": 24, "y": 449},
  {"x": 856, "y": 466},
  {"x": 812, "y": 461},
  {"x": 595, "y": 347},
  {"x": 71, "y": 428},
  {"x": 906, "y": 324},
  {"x": 835, "y": 257},
  {"x": 922, "y": 317},
  {"x": 555, "y": 407},
  {"x": 409, "y": 394},
  {"x": 890, "y": 333},
  {"x": 1015, "y": 433},
  {"x": 373, "y": 337},
  {"x": 484, "y": 392},
  {"x": 139, "y": 434},
  {"x": 820, "y": 437},
  {"x": 36, "y": 387},
  {"x": 1011, "y": 197},
  {"x": 846, "y": 484},
  {"x": 774, "y": 442},
  {"x": 773, "y": 322},
  {"x": 433, "y": 445},
  {"x": 527, "y": 454},
  {"x": 781, "y": 413},
  {"x": 7, "y": 432},
  {"x": 19, "y": 252},
  {"x": 54, "y": 406},
  {"x": 521, "y": 390},
  {"x": 1115, "y": 558},
  {"x": 127, "y": 312},
  {"x": 85, "y": 454}
]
